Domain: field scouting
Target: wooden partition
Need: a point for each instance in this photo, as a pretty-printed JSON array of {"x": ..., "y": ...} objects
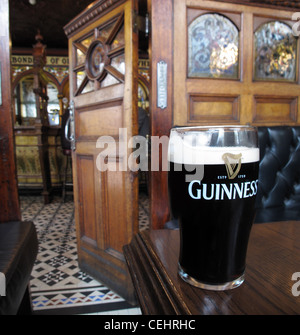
[
  {"x": 39, "y": 157},
  {"x": 226, "y": 64},
  {"x": 30, "y": 174}
]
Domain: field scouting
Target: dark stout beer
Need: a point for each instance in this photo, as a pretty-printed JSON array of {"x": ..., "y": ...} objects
[{"x": 215, "y": 213}]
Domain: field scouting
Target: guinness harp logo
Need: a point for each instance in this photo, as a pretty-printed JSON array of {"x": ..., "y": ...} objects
[{"x": 233, "y": 164}]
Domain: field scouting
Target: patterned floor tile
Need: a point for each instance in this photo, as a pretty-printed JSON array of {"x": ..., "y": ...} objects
[{"x": 57, "y": 284}]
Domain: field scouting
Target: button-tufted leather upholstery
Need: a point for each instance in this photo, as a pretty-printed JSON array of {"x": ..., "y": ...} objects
[{"x": 278, "y": 196}]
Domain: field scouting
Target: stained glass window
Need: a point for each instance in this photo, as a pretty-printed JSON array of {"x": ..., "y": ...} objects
[
  {"x": 275, "y": 52},
  {"x": 213, "y": 47}
]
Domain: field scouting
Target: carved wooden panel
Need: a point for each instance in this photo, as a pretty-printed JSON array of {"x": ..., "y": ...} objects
[
  {"x": 101, "y": 119},
  {"x": 86, "y": 188},
  {"x": 211, "y": 100},
  {"x": 213, "y": 108},
  {"x": 275, "y": 109},
  {"x": 113, "y": 207},
  {"x": 206, "y": 88}
]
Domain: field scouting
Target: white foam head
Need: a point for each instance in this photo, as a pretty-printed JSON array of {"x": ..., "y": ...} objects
[{"x": 193, "y": 148}]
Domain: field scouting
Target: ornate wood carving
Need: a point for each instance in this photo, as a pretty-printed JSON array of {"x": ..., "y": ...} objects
[{"x": 91, "y": 14}]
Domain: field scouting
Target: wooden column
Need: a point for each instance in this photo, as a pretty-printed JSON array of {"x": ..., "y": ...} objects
[
  {"x": 41, "y": 122},
  {"x": 9, "y": 200},
  {"x": 161, "y": 118}
]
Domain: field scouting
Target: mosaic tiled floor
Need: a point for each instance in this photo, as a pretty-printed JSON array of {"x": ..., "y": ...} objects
[{"x": 57, "y": 285}]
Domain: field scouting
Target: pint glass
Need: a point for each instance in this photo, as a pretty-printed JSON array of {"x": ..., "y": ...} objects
[{"x": 212, "y": 183}]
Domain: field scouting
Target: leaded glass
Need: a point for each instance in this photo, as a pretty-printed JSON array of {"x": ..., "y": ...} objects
[
  {"x": 105, "y": 32},
  {"x": 119, "y": 63},
  {"x": 275, "y": 52},
  {"x": 80, "y": 76},
  {"x": 87, "y": 41},
  {"x": 99, "y": 58},
  {"x": 213, "y": 47},
  {"x": 109, "y": 80},
  {"x": 80, "y": 57},
  {"x": 119, "y": 39}
]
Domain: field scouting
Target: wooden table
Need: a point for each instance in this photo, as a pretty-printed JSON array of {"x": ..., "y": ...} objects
[{"x": 273, "y": 257}]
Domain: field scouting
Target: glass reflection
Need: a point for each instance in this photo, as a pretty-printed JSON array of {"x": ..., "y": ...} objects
[
  {"x": 213, "y": 47},
  {"x": 119, "y": 39},
  {"x": 275, "y": 52},
  {"x": 25, "y": 103},
  {"x": 87, "y": 41},
  {"x": 119, "y": 63},
  {"x": 80, "y": 76}
]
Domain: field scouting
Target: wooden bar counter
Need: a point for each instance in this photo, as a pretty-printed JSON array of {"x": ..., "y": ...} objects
[{"x": 272, "y": 284}]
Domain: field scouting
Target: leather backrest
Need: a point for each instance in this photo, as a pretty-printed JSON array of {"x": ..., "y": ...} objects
[{"x": 279, "y": 172}]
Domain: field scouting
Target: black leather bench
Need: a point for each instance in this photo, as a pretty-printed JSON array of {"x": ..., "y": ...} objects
[
  {"x": 278, "y": 196},
  {"x": 18, "y": 251}
]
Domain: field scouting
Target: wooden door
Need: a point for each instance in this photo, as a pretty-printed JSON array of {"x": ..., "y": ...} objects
[
  {"x": 103, "y": 86},
  {"x": 211, "y": 52}
]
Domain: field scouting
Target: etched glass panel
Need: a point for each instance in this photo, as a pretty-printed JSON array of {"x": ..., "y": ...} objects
[
  {"x": 119, "y": 39},
  {"x": 105, "y": 32},
  {"x": 80, "y": 57},
  {"x": 213, "y": 47},
  {"x": 80, "y": 76},
  {"x": 275, "y": 52},
  {"x": 109, "y": 80},
  {"x": 87, "y": 41},
  {"x": 119, "y": 63},
  {"x": 89, "y": 87}
]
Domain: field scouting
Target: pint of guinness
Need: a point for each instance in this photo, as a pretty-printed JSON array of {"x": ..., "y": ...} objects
[{"x": 212, "y": 184}]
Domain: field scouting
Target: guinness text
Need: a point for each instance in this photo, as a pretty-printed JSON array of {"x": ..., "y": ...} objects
[{"x": 222, "y": 191}]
